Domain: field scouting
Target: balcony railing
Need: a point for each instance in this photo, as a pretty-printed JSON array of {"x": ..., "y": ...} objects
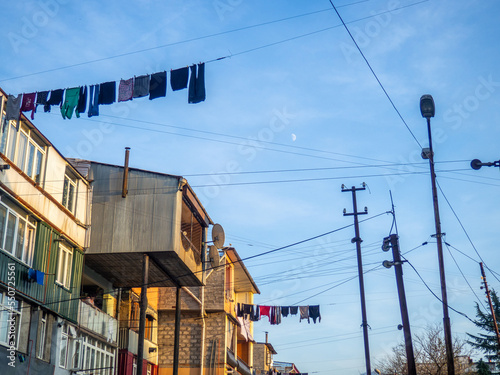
[{"x": 95, "y": 320}]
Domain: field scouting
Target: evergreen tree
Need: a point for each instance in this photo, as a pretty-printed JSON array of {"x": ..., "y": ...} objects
[
  {"x": 487, "y": 341},
  {"x": 483, "y": 368}
]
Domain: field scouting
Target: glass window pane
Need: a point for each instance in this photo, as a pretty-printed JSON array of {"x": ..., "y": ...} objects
[
  {"x": 31, "y": 159},
  {"x": 11, "y": 148},
  {"x": 71, "y": 196},
  {"x": 38, "y": 166},
  {"x": 28, "y": 246},
  {"x": 64, "y": 346},
  {"x": 76, "y": 356},
  {"x": 20, "y": 239},
  {"x": 3, "y": 220},
  {"x": 65, "y": 192},
  {"x": 61, "y": 265},
  {"x": 11, "y": 228},
  {"x": 21, "y": 150},
  {"x": 4, "y": 130},
  {"x": 69, "y": 264}
]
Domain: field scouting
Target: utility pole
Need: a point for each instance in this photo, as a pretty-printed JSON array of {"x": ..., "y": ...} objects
[
  {"x": 357, "y": 239},
  {"x": 142, "y": 314},
  {"x": 427, "y": 108},
  {"x": 495, "y": 325},
  {"x": 392, "y": 241}
]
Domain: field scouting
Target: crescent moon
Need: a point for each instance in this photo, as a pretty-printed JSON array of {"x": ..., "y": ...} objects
[{"x": 294, "y": 137}]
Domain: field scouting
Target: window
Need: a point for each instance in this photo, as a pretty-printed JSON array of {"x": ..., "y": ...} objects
[
  {"x": 148, "y": 332},
  {"x": 23, "y": 147},
  {"x": 10, "y": 318},
  {"x": 41, "y": 338},
  {"x": 64, "y": 266},
  {"x": 99, "y": 357},
  {"x": 63, "y": 349},
  {"x": 17, "y": 234},
  {"x": 69, "y": 189}
]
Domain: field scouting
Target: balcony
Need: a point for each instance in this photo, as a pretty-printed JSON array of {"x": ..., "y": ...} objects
[
  {"x": 128, "y": 340},
  {"x": 97, "y": 321}
]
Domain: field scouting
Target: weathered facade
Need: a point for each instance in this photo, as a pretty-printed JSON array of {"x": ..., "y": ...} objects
[
  {"x": 263, "y": 357},
  {"x": 44, "y": 221},
  {"x": 218, "y": 340}
]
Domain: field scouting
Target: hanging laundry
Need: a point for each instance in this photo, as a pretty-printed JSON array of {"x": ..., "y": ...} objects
[
  {"x": 141, "y": 86},
  {"x": 197, "y": 84},
  {"x": 28, "y": 104},
  {"x": 56, "y": 97},
  {"x": 304, "y": 313},
  {"x": 70, "y": 102},
  {"x": 255, "y": 314},
  {"x": 158, "y": 85},
  {"x": 93, "y": 101},
  {"x": 239, "y": 310},
  {"x": 294, "y": 310},
  {"x": 285, "y": 310},
  {"x": 82, "y": 101},
  {"x": 13, "y": 110},
  {"x": 41, "y": 99},
  {"x": 125, "y": 90},
  {"x": 179, "y": 78},
  {"x": 275, "y": 315},
  {"x": 247, "y": 310},
  {"x": 314, "y": 313},
  {"x": 265, "y": 310},
  {"x": 40, "y": 277},
  {"x": 107, "y": 93}
]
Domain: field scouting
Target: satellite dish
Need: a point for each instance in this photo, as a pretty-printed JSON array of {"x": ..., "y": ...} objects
[
  {"x": 214, "y": 256},
  {"x": 218, "y": 236}
]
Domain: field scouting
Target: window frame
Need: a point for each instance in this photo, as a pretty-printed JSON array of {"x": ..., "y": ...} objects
[
  {"x": 43, "y": 335},
  {"x": 68, "y": 199},
  {"x": 11, "y": 149},
  {"x": 28, "y": 239},
  {"x": 5, "y": 311},
  {"x": 64, "y": 269}
]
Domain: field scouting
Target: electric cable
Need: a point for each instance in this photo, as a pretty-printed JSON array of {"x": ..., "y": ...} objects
[
  {"x": 375, "y": 75},
  {"x": 463, "y": 228},
  {"x": 434, "y": 294},
  {"x": 467, "y": 281}
]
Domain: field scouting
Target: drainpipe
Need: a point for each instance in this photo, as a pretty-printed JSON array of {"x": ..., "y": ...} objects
[
  {"x": 125, "y": 173},
  {"x": 202, "y": 307}
]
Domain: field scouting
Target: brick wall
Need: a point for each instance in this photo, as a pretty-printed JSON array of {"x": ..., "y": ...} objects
[{"x": 190, "y": 338}]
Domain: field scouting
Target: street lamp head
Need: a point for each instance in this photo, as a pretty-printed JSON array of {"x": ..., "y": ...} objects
[{"x": 427, "y": 107}]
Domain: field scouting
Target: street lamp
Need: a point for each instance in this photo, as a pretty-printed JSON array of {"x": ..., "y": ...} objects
[{"x": 428, "y": 109}]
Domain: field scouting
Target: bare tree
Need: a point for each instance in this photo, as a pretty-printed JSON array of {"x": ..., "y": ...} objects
[{"x": 430, "y": 355}]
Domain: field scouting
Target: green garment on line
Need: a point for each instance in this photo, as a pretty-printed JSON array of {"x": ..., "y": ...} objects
[{"x": 70, "y": 102}]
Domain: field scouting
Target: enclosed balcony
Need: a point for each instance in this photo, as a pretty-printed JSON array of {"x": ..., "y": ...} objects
[
  {"x": 158, "y": 215},
  {"x": 97, "y": 321}
]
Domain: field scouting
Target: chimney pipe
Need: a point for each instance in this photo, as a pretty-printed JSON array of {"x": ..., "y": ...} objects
[
  {"x": 125, "y": 173},
  {"x": 266, "y": 338}
]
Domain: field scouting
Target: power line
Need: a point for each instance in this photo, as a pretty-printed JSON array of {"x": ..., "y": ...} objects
[
  {"x": 463, "y": 228},
  {"x": 375, "y": 75},
  {"x": 467, "y": 281},
  {"x": 432, "y": 292}
]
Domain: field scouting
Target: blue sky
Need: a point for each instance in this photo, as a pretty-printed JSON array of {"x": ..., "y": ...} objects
[{"x": 292, "y": 96}]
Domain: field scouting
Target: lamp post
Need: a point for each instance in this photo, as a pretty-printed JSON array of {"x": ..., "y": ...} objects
[{"x": 427, "y": 108}]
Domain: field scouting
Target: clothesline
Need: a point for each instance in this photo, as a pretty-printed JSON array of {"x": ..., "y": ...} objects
[
  {"x": 275, "y": 313},
  {"x": 75, "y": 100}
]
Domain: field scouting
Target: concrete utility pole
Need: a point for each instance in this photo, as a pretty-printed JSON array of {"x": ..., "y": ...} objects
[
  {"x": 398, "y": 267},
  {"x": 495, "y": 325},
  {"x": 427, "y": 108},
  {"x": 357, "y": 239},
  {"x": 142, "y": 314}
]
